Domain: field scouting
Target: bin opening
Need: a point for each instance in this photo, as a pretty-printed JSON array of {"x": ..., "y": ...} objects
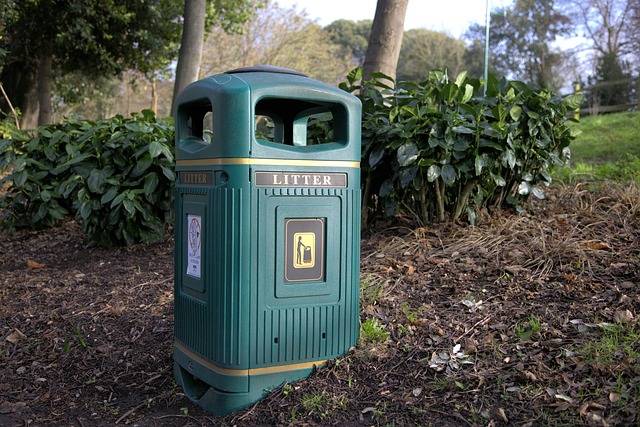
[
  {"x": 298, "y": 123},
  {"x": 197, "y": 122}
]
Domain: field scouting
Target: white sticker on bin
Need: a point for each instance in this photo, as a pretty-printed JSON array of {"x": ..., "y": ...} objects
[{"x": 194, "y": 245}]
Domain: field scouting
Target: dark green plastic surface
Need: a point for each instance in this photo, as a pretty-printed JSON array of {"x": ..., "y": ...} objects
[{"x": 278, "y": 229}]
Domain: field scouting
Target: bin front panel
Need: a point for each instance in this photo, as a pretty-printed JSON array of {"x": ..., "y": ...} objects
[{"x": 307, "y": 308}]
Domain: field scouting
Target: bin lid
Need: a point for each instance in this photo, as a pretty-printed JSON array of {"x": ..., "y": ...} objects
[{"x": 266, "y": 68}]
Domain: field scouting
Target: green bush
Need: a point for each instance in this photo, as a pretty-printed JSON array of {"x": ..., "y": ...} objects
[
  {"x": 440, "y": 149},
  {"x": 115, "y": 175}
]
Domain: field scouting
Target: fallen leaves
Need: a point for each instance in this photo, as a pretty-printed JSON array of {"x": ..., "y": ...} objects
[
  {"x": 449, "y": 361},
  {"x": 597, "y": 245},
  {"x": 33, "y": 265},
  {"x": 452, "y": 297},
  {"x": 15, "y": 336},
  {"x": 623, "y": 316}
]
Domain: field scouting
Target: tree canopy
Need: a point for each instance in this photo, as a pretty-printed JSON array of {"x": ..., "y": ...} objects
[
  {"x": 425, "y": 50},
  {"x": 95, "y": 37},
  {"x": 522, "y": 40},
  {"x": 281, "y": 37},
  {"x": 353, "y": 36}
]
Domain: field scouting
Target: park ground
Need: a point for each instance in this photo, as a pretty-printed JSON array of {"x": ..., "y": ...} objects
[{"x": 527, "y": 319}]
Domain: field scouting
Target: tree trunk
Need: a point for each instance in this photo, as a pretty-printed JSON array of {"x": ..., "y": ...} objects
[
  {"x": 29, "y": 105},
  {"x": 386, "y": 38},
  {"x": 154, "y": 95},
  {"x": 44, "y": 85},
  {"x": 19, "y": 79},
  {"x": 382, "y": 55},
  {"x": 191, "y": 46}
]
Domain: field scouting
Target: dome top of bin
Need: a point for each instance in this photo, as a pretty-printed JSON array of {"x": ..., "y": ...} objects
[{"x": 266, "y": 68}]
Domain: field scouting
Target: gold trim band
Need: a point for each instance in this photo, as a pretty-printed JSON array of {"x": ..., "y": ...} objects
[
  {"x": 267, "y": 162},
  {"x": 251, "y": 371}
]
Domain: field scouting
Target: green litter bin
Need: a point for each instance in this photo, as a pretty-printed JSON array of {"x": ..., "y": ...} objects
[{"x": 267, "y": 234}]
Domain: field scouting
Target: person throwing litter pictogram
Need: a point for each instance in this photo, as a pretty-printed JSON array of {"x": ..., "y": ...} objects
[{"x": 300, "y": 248}]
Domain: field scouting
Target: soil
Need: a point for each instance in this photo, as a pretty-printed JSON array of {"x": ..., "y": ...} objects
[{"x": 526, "y": 319}]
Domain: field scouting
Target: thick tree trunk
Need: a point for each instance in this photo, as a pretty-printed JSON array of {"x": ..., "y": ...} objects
[
  {"x": 191, "y": 46},
  {"x": 44, "y": 86},
  {"x": 386, "y": 38},
  {"x": 29, "y": 105},
  {"x": 19, "y": 80},
  {"x": 154, "y": 95},
  {"x": 382, "y": 56}
]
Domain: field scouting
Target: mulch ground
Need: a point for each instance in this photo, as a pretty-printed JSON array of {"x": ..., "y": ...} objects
[{"x": 526, "y": 319}]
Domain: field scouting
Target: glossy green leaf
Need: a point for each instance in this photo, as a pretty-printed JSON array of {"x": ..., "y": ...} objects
[
  {"x": 375, "y": 156},
  {"x": 407, "y": 154},
  {"x": 524, "y": 188},
  {"x": 448, "y": 174},
  {"x": 109, "y": 195},
  {"x": 509, "y": 159},
  {"x": 386, "y": 188},
  {"x": 19, "y": 165},
  {"x": 537, "y": 192},
  {"x": 460, "y": 79},
  {"x": 118, "y": 200},
  {"x": 129, "y": 206},
  {"x": 482, "y": 161},
  {"x": 150, "y": 184},
  {"x": 407, "y": 175},
  {"x": 515, "y": 112},
  {"x": 462, "y": 129},
  {"x": 85, "y": 210},
  {"x": 468, "y": 93},
  {"x": 433, "y": 173},
  {"x": 499, "y": 181},
  {"x": 45, "y": 195},
  {"x": 574, "y": 101}
]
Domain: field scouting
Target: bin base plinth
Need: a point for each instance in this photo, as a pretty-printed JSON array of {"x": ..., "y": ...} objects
[{"x": 221, "y": 403}]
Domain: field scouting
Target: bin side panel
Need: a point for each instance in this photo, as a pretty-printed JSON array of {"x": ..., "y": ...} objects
[{"x": 213, "y": 323}]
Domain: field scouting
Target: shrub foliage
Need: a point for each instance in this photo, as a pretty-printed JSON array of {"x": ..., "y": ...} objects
[
  {"x": 115, "y": 175},
  {"x": 439, "y": 150},
  {"x": 442, "y": 149}
]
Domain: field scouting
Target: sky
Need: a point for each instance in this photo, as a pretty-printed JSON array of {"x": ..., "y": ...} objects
[{"x": 452, "y": 17}]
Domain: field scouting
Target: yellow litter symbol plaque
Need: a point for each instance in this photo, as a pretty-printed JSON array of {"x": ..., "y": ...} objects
[
  {"x": 305, "y": 244},
  {"x": 304, "y": 260}
]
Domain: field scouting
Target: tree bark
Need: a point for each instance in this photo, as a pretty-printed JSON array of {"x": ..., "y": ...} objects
[
  {"x": 386, "y": 38},
  {"x": 19, "y": 79},
  {"x": 191, "y": 46},
  {"x": 29, "y": 105},
  {"x": 154, "y": 95},
  {"x": 382, "y": 55},
  {"x": 44, "y": 85}
]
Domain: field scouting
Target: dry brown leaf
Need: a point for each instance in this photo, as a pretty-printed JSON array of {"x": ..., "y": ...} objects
[
  {"x": 594, "y": 244},
  {"x": 15, "y": 336},
  {"x": 583, "y": 409},
  {"x": 33, "y": 264},
  {"x": 501, "y": 414},
  {"x": 623, "y": 316}
]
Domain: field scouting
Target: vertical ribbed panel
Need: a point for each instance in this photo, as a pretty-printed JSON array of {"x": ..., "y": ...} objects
[
  {"x": 297, "y": 334},
  {"x": 189, "y": 314},
  {"x": 213, "y": 329},
  {"x": 224, "y": 346}
]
